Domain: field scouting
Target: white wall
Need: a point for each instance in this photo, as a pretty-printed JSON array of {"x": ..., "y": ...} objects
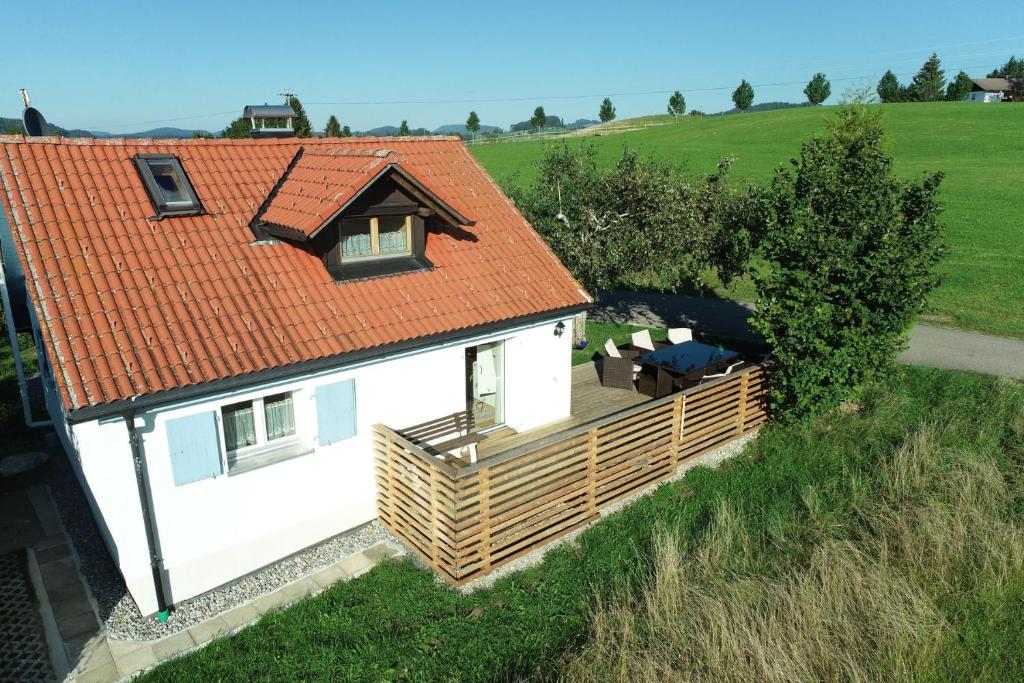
[
  {"x": 215, "y": 530},
  {"x": 981, "y": 96}
]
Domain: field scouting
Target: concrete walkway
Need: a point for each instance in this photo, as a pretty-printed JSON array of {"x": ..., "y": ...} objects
[{"x": 932, "y": 346}]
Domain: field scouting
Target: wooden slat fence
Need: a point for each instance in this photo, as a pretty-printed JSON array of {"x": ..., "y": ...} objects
[{"x": 465, "y": 521}]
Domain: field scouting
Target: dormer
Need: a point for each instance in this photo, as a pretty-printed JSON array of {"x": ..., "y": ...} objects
[{"x": 361, "y": 212}]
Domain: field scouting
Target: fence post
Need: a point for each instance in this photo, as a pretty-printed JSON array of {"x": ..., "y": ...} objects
[
  {"x": 677, "y": 430},
  {"x": 744, "y": 385},
  {"x": 592, "y": 472},
  {"x": 485, "y": 518},
  {"x": 435, "y": 535}
]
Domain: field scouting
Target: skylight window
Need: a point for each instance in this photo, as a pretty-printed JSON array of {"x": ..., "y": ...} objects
[{"x": 167, "y": 185}]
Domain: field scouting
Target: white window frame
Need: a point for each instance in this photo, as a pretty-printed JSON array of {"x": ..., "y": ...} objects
[
  {"x": 262, "y": 445},
  {"x": 375, "y": 252}
]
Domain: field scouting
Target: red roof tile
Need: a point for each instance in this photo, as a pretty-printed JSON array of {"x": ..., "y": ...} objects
[{"x": 131, "y": 305}]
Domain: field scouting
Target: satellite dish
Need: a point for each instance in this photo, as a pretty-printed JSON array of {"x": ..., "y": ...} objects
[{"x": 35, "y": 124}]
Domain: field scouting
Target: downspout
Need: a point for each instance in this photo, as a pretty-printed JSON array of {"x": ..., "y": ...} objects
[
  {"x": 19, "y": 367},
  {"x": 156, "y": 562}
]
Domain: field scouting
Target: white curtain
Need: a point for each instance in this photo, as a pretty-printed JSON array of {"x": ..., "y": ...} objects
[
  {"x": 239, "y": 427},
  {"x": 356, "y": 245},
  {"x": 393, "y": 241},
  {"x": 280, "y": 417}
]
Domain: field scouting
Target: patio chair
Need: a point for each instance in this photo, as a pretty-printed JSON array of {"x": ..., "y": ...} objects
[
  {"x": 727, "y": 371},
  {"x": 642, "y": 341},
  {"x": 617, "y": 367},
  {"x": 678, "y": 335}
]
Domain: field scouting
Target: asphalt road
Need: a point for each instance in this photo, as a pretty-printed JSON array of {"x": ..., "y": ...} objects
[{"x": 930, "y": 345}]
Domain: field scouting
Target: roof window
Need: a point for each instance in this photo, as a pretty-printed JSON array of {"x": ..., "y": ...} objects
[{"x": 167, "y": 185}]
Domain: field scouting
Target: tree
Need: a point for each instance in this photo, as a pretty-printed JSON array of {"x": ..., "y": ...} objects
[
  {"x": 603, "y": 222},
  {"x": 239, "y": 128},
  {"x": 538, "y": 119},
  {"x": 851, "y": 255},
  {"x": 959, "y": 88},
  {"x": 303, "y": 128},
  {"x": 346, "y": 132},
  {"x": 929, "y": 83},
  {"x": 818, "y": 89},
  {"x": 743, "y": 96},
  {"x": 333, "y": 127},
  {"x": 676, "y": 104},
  {"x": 1014, "y": 68},
  {"x": 404, "y": 128},
  {"x": 1016, "y": 88},
  {"x": 607, "y": 111},
  {"x": 473, "y": 124},
  {"x": 889, "y": 88}
]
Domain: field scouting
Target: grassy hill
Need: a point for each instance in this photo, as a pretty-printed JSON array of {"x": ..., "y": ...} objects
[{"x": 980, "y": 148}]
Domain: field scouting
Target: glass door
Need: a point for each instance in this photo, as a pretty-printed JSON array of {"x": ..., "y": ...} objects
[{"x": 485, "y": 384}]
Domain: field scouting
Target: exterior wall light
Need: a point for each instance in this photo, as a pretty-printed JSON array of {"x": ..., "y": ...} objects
[{"x": 559, "y": 329}]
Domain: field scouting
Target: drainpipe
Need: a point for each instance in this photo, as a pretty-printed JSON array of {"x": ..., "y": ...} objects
[
  {"x": 19, "y": 367},
  {"x": 156, "y": 562}
]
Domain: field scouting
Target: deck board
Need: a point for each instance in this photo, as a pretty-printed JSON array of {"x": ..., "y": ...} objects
[{"x": 590, "y": 400}]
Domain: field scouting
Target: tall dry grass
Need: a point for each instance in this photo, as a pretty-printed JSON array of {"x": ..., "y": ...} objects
[{"x": 865, "y": 607}]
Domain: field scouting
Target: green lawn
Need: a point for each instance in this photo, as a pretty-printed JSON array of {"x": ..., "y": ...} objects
[
  {"x": 795, "y": 492},
  {"x": 980, "y": 149}
]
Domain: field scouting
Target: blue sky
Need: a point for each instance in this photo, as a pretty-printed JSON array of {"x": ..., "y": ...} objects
[{"x": 129, "y": 66}]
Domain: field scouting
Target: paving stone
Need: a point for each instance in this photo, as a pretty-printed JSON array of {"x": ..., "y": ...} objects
[
  {"x": 136, "y": 660},
  {"x": 172, "y": 645},
  {"x": 72, "y": 607},
  {"x": 240, "y": 616},
  {"x": 330, "y": 575},
  {"x": 270, "y": 601},
  {"x": 208, "y": 630},
  {"x": 381, "y": 551},
  {"x": 101, "y": 674},
  {"x": 300, "y": 589},
  {"x": 77, "y": 646},
  {"x": 58, "y": 574},
  {"x": 54, "y": 553},
  {"x": 357, "y": 564},
  {"x": 95, "y": 654},
  {"x": 79, "y": 625}
]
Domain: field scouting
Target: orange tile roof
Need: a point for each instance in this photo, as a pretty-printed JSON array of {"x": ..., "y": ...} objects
[
  {"x": 130, "y": 305},
  {"x": 320, "y": 183}
]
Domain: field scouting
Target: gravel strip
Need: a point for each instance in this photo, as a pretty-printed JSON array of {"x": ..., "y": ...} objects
[
  {"x": 118, "y": 611},
  {"x": 710, "y": 459}
]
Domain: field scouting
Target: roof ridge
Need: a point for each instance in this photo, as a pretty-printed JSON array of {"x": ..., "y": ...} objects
[{"x": 122, "y": 141}]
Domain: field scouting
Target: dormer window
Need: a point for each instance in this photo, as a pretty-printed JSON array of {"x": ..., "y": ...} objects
[
  {"x": 359, "y": 211},
  {"x": 376, "y": 236},
  {"x": 167, "y": 185}
]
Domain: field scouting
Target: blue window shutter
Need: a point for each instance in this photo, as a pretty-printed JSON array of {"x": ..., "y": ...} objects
[
  {"x": 195, "y": 447},
  {"x": 336, "y": 411}
]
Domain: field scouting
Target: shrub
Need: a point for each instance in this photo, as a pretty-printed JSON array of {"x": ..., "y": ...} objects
[{"x": 851, "y": 255}]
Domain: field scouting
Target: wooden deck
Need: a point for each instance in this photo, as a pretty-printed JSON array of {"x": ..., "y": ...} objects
[
  {"x": 465, "y": 519},
  {"x": 590, "y": 401}
]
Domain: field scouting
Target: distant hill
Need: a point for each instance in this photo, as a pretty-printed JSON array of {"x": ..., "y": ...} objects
[
  {"x": 764, "y": 106},
  {"x": 165, "y": 132},
  {"x": 12, "y": 123},
  {"x": 460, "y": 129},
  {"x": 15, "y": 124}
]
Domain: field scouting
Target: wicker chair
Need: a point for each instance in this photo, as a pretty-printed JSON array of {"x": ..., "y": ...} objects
[{"x": 617, "y": 367}]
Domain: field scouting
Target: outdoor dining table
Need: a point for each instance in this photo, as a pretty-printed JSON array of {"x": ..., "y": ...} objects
[{"x": 662, "y": 371}]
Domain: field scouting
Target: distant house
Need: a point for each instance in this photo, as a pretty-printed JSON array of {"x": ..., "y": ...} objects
[
  {"x": 220, "y": 323},
  {"x": 989, "y": 90}
]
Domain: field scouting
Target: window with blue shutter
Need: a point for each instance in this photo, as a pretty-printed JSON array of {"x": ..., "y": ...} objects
[
  {"x": 194, "y": 445},
  {"x": 336, "y": 411}
]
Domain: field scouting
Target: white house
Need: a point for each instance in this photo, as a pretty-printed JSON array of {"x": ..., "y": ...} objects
[
  {"x": 220, "y": 322},
  {"x": 988, "y": 90}
]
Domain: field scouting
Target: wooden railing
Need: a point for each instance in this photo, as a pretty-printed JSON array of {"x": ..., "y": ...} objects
[{"x": 465, "y": 521}]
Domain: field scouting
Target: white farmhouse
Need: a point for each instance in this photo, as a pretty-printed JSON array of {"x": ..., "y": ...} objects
[
  {"x": 220, "y": 322},
  {"x": 988, "y": 90}
]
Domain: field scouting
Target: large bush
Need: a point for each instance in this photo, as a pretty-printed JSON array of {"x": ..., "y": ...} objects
[
  {"x": 639, "y": 221},
  {"x": 851, "y": 255}
]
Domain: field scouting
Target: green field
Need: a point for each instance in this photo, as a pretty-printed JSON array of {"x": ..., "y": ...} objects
[{"x": 979, "y": 148}]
